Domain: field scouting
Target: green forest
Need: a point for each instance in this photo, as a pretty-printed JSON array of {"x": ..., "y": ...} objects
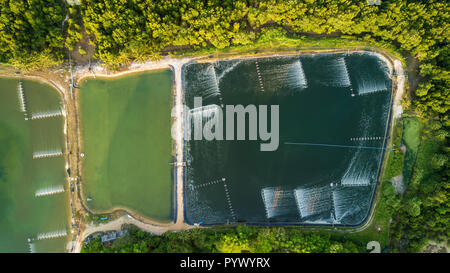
[
  {"x": 40, "y": 34},
  {"x": 37, "y": 33}
]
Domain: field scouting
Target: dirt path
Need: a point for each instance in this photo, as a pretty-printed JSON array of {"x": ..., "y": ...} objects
[
  {"x": 398, "y": 110},
  {"x": 177, "y": 66}
]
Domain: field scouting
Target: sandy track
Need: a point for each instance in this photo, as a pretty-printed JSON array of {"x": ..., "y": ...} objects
[{"x": 400, "y": 89}]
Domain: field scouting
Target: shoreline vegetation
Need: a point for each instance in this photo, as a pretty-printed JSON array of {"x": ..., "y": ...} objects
[
  {"x": 227, "y": 240},
  {"x": 416, "y": 33}
]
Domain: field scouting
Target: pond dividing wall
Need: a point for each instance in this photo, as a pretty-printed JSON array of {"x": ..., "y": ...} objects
[
  {"x": 333, "y": 115},
  {"x": 33, "y": 189}
]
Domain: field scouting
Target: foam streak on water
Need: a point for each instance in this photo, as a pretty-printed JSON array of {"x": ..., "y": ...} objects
[
  {"x": 296, "y": 76},
  {"x": 227, "y": 70},
  {"x": 277, "y": 202},
  {"x": 289, "y": 75},
  {"x": 46, "y": 114},
  {"x": 341, "y": 77},
  {"x": 49, "y": 153},
  {"x": 344, "y": 202},
  {"x": 32, "y": 248},
  {"x": 359, "y": 171},
  {"x": 49, "y": 191},
  {"x": 201, "y": 115},
  {"x": 52, "y": 234},
  {"x": 208, "y": 80},
  {"x": 21, "y": 96},
  {"x": 369, "y": 86},
  {"x": 313, "y": 200}
]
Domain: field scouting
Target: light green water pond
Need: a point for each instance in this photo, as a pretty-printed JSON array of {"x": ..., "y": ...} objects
[
  {"x": 127, "y": 144},
  {"x": 33, "y": 191}
]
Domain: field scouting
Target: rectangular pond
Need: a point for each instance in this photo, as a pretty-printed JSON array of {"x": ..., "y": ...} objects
[
  {"x": 125, "y": 129},
  {"x": 333, "y": 115},
  {"x": 34, "y": 205}
]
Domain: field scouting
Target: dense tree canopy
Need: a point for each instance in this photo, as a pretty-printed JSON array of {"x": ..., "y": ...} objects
[
  {"x": 423, "y": 212},
  {"x": 31, "y": 31},
  {"x": 122, "y": 30}
]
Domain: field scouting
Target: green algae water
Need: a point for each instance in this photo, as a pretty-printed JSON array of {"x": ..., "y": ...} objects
[
  {"x": 333, "y": 110},
  {"x": 33, "y": 195},
  {"x": 126, "y": 125}
]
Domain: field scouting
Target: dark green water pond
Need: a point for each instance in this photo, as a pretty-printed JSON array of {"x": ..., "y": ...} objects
[{"x": 333, "y": 112}]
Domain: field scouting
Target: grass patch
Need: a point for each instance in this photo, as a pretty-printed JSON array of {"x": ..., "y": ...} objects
[
  {"x": 242, "y": 239},
  {"x": 422, "y": 165},
  {"x": 412, "y": 128},
  {"x": 394, "y": 164}
]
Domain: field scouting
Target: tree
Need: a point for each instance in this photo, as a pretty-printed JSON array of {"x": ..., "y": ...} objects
[{"x": 438, "y": 160}]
